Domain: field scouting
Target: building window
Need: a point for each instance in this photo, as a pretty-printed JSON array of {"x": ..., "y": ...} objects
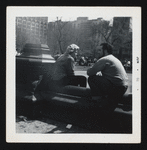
[
  {"x": 28, "y": 27},
  {"x": 33, "y": 18},
  {"x": 24, "y": 26},
  {"x": 24, "y": 22},
  {"x": 29, "y": 18},
  {"x": 23, "y": 30},
  {"x": 24, "y": 18},
  {"x": 19, "y": 25},
  {"x": 33, "y": 24},
  {"x": 19, "y": 20},
  {"x": 37, "y": 32},
  {"x": 37, "y": 25},
  {"x": 18, "y": 30},
  {"x": 28, "y": 23}
]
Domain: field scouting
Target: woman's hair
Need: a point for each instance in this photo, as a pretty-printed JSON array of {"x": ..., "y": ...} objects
[
  {"x": 72, "y": 48},
  {"x": 107, "y": 47}
]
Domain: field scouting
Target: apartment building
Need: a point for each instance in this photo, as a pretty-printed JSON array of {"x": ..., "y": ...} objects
[
  {"x": 124, "y": 48},
  {"x": 31, "y": 30},
  {"x": 79, "y": 29}
]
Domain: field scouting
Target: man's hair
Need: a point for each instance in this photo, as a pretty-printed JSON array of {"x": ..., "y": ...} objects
[{"x": 107, "y": 47}]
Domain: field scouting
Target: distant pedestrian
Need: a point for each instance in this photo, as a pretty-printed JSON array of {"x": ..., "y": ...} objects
[{"x": 95, "y": 60}]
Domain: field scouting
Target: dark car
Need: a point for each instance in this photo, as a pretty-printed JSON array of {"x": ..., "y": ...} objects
[{"x": 71, "y": 104}]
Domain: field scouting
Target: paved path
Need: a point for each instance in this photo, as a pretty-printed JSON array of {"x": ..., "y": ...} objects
[{"x": 45, "y": 125}]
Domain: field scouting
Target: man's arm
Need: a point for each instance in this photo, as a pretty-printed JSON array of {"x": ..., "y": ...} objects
[{"x": 98, "y": 66}]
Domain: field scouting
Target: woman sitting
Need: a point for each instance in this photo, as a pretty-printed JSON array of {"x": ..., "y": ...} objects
[{"x": 63, "y": 72}]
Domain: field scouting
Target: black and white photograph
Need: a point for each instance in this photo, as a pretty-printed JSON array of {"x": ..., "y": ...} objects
[{"x": 73, "y": 74}]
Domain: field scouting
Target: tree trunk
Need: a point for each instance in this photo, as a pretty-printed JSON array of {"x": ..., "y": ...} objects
[{"x": 60, "y": 47}]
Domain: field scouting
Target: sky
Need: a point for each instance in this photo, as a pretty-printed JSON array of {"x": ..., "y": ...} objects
[
  {"x": 73, "y": 18},
  {"x": 71, "y": 13}
]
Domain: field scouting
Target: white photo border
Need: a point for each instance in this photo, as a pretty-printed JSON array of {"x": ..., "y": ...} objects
[{"x": 13, "y": 137}]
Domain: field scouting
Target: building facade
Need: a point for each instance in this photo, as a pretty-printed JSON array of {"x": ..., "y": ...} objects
[
  {"x": 123, "y": 44},
  {"x": 78, "y": 32},
  {"x": 31, "y": 30}
]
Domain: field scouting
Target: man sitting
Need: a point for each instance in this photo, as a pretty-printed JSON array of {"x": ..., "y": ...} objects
[{"x": 107, "y": 77}]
